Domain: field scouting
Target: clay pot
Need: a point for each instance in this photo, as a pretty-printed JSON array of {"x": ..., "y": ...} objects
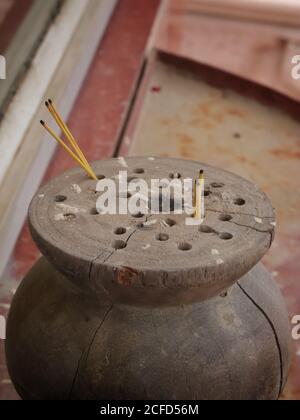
[{"x": 176, "y": 312}]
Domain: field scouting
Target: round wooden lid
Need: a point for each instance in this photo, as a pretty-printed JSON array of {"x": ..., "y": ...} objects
[{"x": 148, "y": 258}]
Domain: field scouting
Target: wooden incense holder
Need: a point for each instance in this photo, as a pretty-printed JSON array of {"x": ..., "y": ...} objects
[{"x": 127, "y": 307}]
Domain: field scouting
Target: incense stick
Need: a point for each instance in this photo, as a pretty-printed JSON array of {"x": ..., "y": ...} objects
[
  {"x": 199, "y": 192},
  {"x": 52, "y": 109},
  {"x": 195, "y": 193},
  {"x": 68, "y": 150}
]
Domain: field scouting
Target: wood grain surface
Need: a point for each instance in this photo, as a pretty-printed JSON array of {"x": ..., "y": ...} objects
[{"x": 237, "y": 231}]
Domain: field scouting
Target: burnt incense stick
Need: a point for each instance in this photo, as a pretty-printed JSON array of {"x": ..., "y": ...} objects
[
  {"x": 200, "y": 196},
  {"x": 195, "y": 193},
  {"x": 68, "y": 150},
  {"x": 63, "y": 126},
  {"x": 76, "y": 153},
  {"x": 51, "y": 108}
]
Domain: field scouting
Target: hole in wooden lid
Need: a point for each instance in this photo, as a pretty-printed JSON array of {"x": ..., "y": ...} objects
[
  {"x": 239, "y": 202},
  {"x": 206, "y": 229},
  {"x": 226, "y": 236},
  {"x": 120, "y": 231},
  {"x": 162, "y": 237},
  {"x": 170, "y": 222},
  {"x": 139, "y": 171},
  {"x": 184, "y": 246},
  {"x": 138, "y": 215},
  {"x": 175, "y": 175},
  {"x": 94, "y": 211},
  {"x": 225, "y": 217},
  {"x": 60, "y": 198},
  {"x": 118, "y": 244}
]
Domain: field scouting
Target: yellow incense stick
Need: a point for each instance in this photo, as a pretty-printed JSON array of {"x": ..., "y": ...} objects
[
  {"x": 200, "y": 196},
  {"x": 68, "y": 150},
  {"x": 195, "y": 193},
  {"x": 52, "y": 109}
]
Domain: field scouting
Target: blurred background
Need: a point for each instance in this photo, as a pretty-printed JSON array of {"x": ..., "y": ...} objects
[{"x": 209, "y": 80}]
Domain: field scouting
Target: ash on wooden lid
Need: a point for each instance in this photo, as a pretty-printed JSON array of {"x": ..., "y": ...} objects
[{"x": 146, "y": 258}]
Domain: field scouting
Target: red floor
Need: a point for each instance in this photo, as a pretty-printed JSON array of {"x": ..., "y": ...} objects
[{"x": 95, "y": 121}]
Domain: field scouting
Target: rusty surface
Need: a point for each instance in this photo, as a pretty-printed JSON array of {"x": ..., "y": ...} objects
[
  {"x": 127, "y": 275},
  {"x": 199, "y": 113}
]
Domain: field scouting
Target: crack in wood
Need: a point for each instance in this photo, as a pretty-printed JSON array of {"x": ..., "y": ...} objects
[
  {"x": 239, "y": 213},
  {"x": 274, "y": 332},
  {"x": 87, "y": 352}
]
